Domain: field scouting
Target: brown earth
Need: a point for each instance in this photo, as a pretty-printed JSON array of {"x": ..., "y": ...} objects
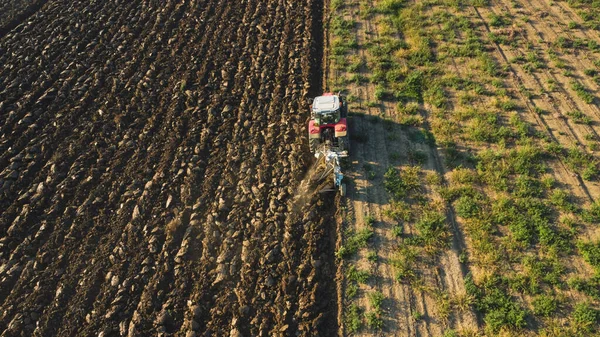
[{"x": 149, "y": 155}]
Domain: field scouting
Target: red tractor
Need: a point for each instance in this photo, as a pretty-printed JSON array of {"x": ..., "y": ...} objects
[{"x": 328, "y": 126}]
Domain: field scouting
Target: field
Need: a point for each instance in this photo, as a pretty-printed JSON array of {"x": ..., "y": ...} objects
[
  {"x": 149, "y": 155},
  {"x": 473, "y": 208},
  {"x": 154, "y": 160}
]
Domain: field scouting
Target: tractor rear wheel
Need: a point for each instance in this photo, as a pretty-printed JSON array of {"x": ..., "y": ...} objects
[
  {"x": 344, "y": 143},
  {"x": 345, "y": 110},
  {"x": 313, "y": 143}
]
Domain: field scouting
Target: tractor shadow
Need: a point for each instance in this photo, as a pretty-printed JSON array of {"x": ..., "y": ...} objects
[{"x": 378, "y": 145}]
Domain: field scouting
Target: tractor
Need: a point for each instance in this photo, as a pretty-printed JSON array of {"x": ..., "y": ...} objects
[
  {"x": 328, "y": 126},
  {"x": 328, "y": 139}
]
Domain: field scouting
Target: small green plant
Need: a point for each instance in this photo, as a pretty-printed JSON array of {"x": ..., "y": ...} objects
[
  {"x": 341, "y": 27},
  {"x": 590, "y": 72},
  {"x": 563, "y": 42},
  {"x": 374, "y": 320},
  {"x": 433, "y": 229},
  {"x": 352, "y": 98},
  {"x": 579, "y": 117},
  {"x": 544, "y": 305},
  {"x": 397, "y": 231},
  {"x": 336, "y": 4},
  {"x": 591, "y": 253},
  {"x": 393, "y": 184},
  {"x": 376, "y": 299},
  {"x": 389, "y": 6},
  {"x": 351, "y": 290},
  {"x": 394, "y": 156},
  {"x": 583, "y": 163},
  {"x": 404, "y": 264},
  {"x": 353, "y": 318},
  {"x": 411, "y": 108},
  {"x": 380, "y": 93},
  {"x": 562, "y": 200},
  {"x": 548, "y": 182},
  {"x": 494, "y": 300},
  {"x": 372, "y": 256},
  {"x": 585, "y": 318},
  {"x": 463, "y": 257},
  {"x": 373, "y": 104},
  {"x": 572, "y": 25},
  {"x": 450, "y": 333},
  {"x": 369, "y": 220},
  {"x": 592, "y": 215},
  {"x": 358, "y": 79},
  {"x": 355, "y": 241},
  {"x": 417, "y": 315},
  {"x": 498, "y": 20},
  {"x": 410, "y": 120},
  {"x": 417, "y": 156},
  {"x": 590, "y": 287},
  {"x": 582, "y": 92},
  {"x": 356, "y": 65},
  {"x": 356, "y": 275},
  {"x": 467, "y": 207}
]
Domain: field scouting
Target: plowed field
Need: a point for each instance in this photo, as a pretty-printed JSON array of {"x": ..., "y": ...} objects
[{"x": 149, "y": 157}]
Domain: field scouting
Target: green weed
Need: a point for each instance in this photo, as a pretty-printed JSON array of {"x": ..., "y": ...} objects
[
  {"x": 544, "y": 305},
  {"x": 374, "y": 320},
  {"x": 579, "y": 117},
  {"x": 354, "y": 242},
  {"x": 360, "y": 276},
  {"x": 582, "y": 92},
  {"x": 353, "y": 319},
  {"x": 585, "y": 318}
]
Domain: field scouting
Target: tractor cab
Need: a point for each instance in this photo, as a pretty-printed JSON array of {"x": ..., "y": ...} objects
[
  {"x": 328, "y": 125},
  {"x": 326, "y": 110}
]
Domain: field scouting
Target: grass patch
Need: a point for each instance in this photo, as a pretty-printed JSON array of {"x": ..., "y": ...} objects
[
  {"x": 353, "y": 318},
  {"x": 356, "y": 275},
  {"x": 582, "y": 92},
  {"x": 544, "y": 305},
  {"x": 499, "y": 308},
  {"x": 579, "y": 117},
  {"x": 585, "y": 318},
  {"x": 354, "y": 242}
]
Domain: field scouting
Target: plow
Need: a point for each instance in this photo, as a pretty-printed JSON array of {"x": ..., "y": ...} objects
[{"x": 329, "y": 170}]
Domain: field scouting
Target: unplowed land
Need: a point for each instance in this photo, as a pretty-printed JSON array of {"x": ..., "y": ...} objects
[
  {"x": 149, "y": 154},
  {"x": 472, "y": 205}
]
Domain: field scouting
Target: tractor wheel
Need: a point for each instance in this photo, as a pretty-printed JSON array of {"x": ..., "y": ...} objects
[
  {"x": 345, "y": 110},
  {"x": 344, "y": 143},
  {"x": 313, "y": 143}
]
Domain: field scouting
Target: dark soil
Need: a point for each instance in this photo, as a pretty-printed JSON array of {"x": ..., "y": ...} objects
[{"x": 149, "y": 155}]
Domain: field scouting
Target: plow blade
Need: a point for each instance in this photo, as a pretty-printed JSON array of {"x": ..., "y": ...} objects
[
  {"x": 332, "y": 188},
  {"x": 326, "y": 189}
]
